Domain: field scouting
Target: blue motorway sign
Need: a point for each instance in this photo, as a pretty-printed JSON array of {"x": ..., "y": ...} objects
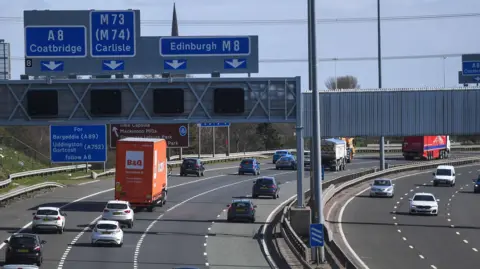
[
  {"x": 316, "y": 235},
  {"x": 471, "y": 68},
  {"x": 215, "y": 124},
  {"x": 78, "y": 144},
  {"x": 175, "y": 46},
  {"x": 112, "y": 33},
  {"x": 55, "y": 41}
]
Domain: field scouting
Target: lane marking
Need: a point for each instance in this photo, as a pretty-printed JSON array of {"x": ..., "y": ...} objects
[
  {"x": 330, "y": 210},
  {"x": 404, "y": 238},
  {"x": 421, "y": 256},
  {"x": 457, "y": 233},
  {"x": 147, "y": 230},
  {"x": 342, "y": 210},
  {"x": 88, "y": 182},
  {"x": 465, "y": 241},
  {"x": 410, "y": 246},
  {"x": 433, "y": 266},
  {"x": 474, "y": 249}
]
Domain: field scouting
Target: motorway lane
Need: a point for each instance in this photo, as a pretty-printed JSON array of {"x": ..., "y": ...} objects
[
  {"x": 81, "y": 213},
  {"x": 396, "y": 239}
]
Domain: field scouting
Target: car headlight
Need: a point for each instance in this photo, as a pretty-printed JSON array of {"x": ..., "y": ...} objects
[
  {"x": 389, "y": 189},
  {"x": 476, "y": 185}
]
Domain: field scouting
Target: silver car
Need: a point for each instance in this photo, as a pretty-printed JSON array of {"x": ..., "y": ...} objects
[{"x": 382, "y": 187}]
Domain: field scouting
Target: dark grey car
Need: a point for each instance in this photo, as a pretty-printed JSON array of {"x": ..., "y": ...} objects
[
  {"x": 266, "y": 186},
  {"x": 241, "y": 210},
  {"x": 192, "y": 166}
]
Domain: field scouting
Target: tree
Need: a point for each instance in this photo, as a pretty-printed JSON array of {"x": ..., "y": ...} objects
[
  {"x": 269, "y": 136},
  {"x": 343, "y": 82}
]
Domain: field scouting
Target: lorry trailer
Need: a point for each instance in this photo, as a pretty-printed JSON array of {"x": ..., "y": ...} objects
[
  {"x": 334, "y": 154},
  {"x": 141, "y": 176},
  {"x": 426, "y": 147}
]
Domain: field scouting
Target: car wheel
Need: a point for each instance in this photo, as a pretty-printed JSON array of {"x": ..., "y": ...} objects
[
  {"x": 278, "y": 195},
  {"x": 276, "y": 168},
  {"x": 150, "y": 208},
  {"x": 60, "y": 230},
  {"x": 274, "y": 196},
  {"x": 252, "y": 220},
  {"x": 39, "y": 262},
  {"x": 203, "y": 174},
  {"x": 229, "y": 219},
  {"x": 130, "y": 224},
  {"x": 240, "y": 173}
]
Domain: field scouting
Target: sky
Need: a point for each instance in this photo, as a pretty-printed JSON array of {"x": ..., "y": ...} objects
[{"x": 282, "y": 32}]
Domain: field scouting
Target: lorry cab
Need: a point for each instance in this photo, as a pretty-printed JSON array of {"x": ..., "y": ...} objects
[{"x": 445, "y": 174}]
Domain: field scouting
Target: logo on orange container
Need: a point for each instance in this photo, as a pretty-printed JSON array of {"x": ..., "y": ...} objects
[{"x": 134, "y": 160}]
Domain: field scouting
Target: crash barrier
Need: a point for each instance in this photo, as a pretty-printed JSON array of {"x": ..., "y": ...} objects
[
  {"x": 94, "y": 175},
  {"x": 24, "y": 191},
  {"x": 42, "y": 172},
  {"x": 303, "y": 252},
  {"x": 398, "y": 149}
]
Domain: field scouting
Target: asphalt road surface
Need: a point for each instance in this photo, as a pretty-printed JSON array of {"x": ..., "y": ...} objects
[
  {"x": 383, "y": 234},
  {"x": 173, "y": 235}
]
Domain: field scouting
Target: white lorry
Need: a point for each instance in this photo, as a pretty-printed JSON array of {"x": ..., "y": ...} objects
[{"x": 334, "y": 154}]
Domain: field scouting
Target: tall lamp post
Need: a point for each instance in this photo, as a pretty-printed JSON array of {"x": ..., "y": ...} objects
[
  {"x": 379, "y": 41},
  {"x": 317, "y": 214}
]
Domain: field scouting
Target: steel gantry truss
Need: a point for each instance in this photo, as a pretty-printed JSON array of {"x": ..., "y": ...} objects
[{"x": 266, "y": 100}]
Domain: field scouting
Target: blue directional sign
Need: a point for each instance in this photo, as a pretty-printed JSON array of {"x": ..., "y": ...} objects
[
  {"x": 109, "y": 65},
  {"x": 215, "y": 124},
  {"x": 112, "y": 33},
  {"x": 316, "y": 235},
  {"x": 176, "y": 64},
  {"x": 471, "y": 68},
  {"x": 55, "y": 41},
  {"x": 78, "y": 144},
  {"x": 235, "y": 63},
  {"x": 56, "y": 66},
  {"x": 205, "y": 46}
]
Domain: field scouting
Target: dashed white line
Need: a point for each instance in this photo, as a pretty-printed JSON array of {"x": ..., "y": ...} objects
[
  {"x": 404, "y": 238},
  {"x": 398, "y": 202},
  {"x": 458, "y": 233},
  {"x": 433, "y": 266},
  {"x": 406, "y": 194},
  {"x": 204, "y": 253},
  {"x": 399, "y": 231},
  {"x": 410, "y": 246},
  {"x": 465, "y": 241},
  {"x": 418, "y": 187},
  {"x": 474, "y": 249},
  {"x": 206, "y": 264},
  {"x": 449, "y": 220},
  {"x": 421, "y": 256},
  {"x": 411, "y": 190}
]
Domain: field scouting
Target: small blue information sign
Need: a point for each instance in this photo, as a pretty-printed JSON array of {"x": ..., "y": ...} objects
[
  {"x": 215, "y": 124},
  {"x": 112, "y": 33},
  {"x": 78, "y": 144},
  {"x": 316, "y": 235},
  {"x": 55, "y": 41},
  {"x": 175, "y": 46}
]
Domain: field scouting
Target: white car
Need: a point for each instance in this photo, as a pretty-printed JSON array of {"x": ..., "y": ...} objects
[
  {"x": 445, "y": 174},
  {"x": 107, "y": 232},
  {"x": 424, "y": 203},
  {"x": 48, "y": 218},
  {"x": 382, "y": 187},
  {"x": 120, "y": 211},
  {"x": 20, "y": 266}
]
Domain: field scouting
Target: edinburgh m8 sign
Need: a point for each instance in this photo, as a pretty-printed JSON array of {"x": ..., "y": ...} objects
[{"x": 177, "y": 135}]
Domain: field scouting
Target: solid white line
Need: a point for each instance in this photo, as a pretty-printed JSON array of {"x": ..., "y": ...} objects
[
  {"x": 330, "y": 210},
  {"x": 88, "y": 182},
  {"x": 139, "y": 243}
]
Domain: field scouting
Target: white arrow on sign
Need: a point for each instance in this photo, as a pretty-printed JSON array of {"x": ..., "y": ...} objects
[
  {"x": 113, "y": 64},
  {"x": 115, "y": 130},
  {"x": 477, "y": 79},
  {"x": 175, "y": 63},
  {"x": 235, "y": 63},
  {"x": 52, "y": 65}
]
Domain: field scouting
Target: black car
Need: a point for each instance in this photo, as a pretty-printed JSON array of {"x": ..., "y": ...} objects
[
  {"x": 266, "y": 186},
  {"x": 241, "y": 210},
  {"x": 192, "y": 166},
  {"x": 24, "y": 249}
]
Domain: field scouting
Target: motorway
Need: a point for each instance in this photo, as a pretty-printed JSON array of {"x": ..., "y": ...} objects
[
  {"x": 174, "y": 235},
  {"x": 382, "y": 234}
]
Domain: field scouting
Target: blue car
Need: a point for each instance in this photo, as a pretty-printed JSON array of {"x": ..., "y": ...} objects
[
  {"x": 249, "y": 166},
  {"x": 279, "y": 154}
]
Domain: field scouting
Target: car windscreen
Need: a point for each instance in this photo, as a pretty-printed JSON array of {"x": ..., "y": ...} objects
[
  {"x": 47, "y": 212},
  {"x": 265, "y": 181},
  {"x": 382, "y": 183},
  {"x": 105, "y": 226},
  {"x": 22, "y": 241},
  {"x": 286, "y": 158},
  {"x": 427, "y": 198},
  {"x": 281, "y": 153},
  {"x": 116, "y": 206},
  {"x": 444, "y": 172}
]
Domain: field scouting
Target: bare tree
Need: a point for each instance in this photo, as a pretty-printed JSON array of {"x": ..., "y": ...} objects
[{"x": 343, "y": 82}]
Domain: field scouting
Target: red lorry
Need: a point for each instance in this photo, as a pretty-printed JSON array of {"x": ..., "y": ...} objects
[
  {"x": 426, "y": 147},
  {"x": 141, "y": 172}
]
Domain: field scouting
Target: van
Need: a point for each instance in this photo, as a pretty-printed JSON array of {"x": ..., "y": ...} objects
[{"x": 445, "y": 174}]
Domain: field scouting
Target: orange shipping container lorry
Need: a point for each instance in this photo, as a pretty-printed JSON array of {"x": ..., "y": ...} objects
[{"x": 141, "y": 172}]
